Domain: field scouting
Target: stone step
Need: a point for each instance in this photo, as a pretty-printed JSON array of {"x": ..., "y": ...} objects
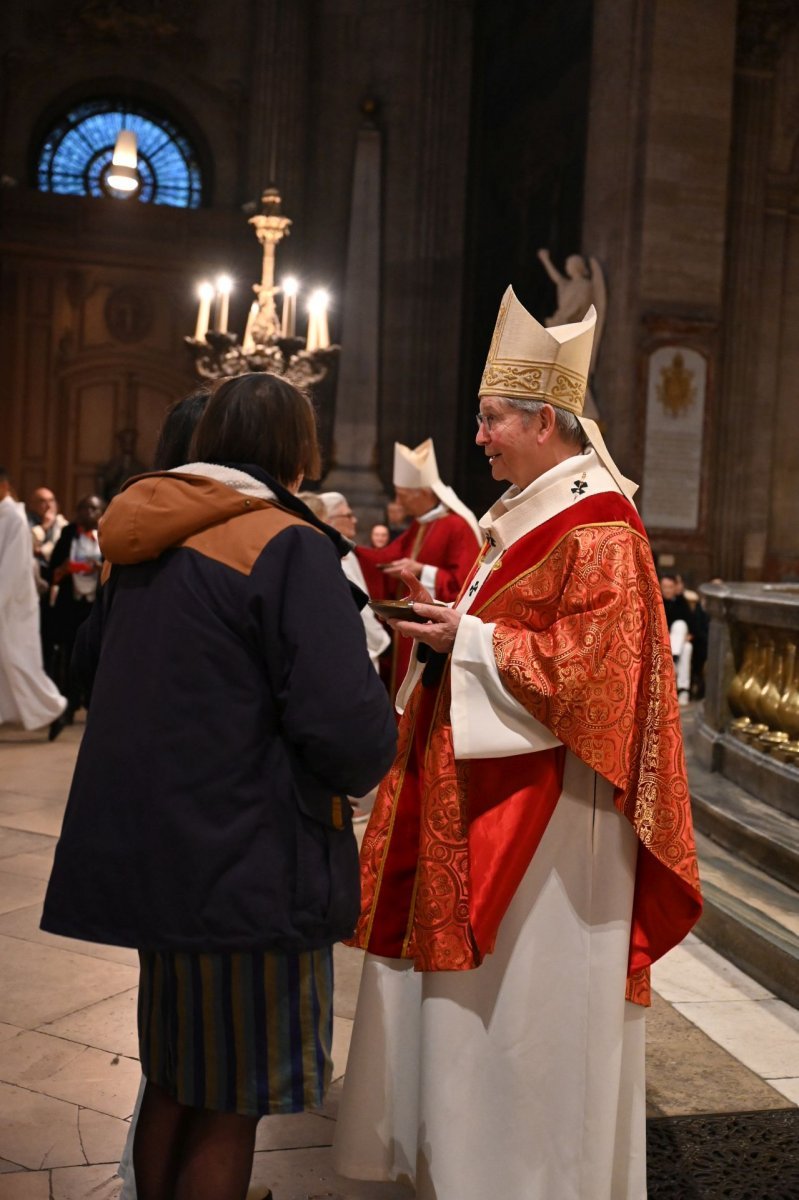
[
  {"x": 750, "y": 918},
  {"x": 765, "y": 836}
]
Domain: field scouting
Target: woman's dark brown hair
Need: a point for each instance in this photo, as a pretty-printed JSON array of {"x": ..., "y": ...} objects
[{"x": 263, "y": 420}]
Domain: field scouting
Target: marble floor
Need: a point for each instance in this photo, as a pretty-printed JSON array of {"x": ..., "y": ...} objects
[{"x": 717, "y": 1041}]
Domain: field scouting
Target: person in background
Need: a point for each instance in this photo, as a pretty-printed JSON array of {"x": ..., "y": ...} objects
[
  {"x": 47, "y": 524},
  {"x": 438, "y": 547},
  {"x": 177, "y": 430},
  {"x": 28, "y": 697},
  {"x": 315, "y": 503},
  {"x": 701, "y": 635},
  {"x": 379, "y": 536},
  {"x": 232, "y": 650},
  {"x": 45, "y": 521},
  {"x": 339, "y": 514},
  {"x": 680, "y": 620},
  {"x": 397, "y": 519},
  {"x": 75, "y": 572}
]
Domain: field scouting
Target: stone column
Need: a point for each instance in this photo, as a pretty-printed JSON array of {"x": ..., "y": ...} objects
[
  {"x": 741, "y": 534},
  {"x": 753, "y": 298},
  {"x": 425, "y": 231},
  {"x": 354, "y": 470}
]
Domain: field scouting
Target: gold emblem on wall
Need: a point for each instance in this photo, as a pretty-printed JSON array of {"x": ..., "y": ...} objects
[{"x": 676, "y": 390}]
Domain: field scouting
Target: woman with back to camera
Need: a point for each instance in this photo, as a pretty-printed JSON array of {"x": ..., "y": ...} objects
[{"x": 235, "y": 706}]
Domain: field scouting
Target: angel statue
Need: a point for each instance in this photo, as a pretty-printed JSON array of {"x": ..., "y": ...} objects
[{"x": 578, "y": 289}]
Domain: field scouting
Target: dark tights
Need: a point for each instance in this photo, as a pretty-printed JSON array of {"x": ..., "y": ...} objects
[{"x": 182, "y": 1153}]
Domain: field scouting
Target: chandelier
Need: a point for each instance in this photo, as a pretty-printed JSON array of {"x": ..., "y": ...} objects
[{"x": 270, "y": 341}]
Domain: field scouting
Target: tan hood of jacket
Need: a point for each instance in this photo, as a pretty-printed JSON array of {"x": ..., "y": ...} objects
[{"x": 156, "y": 512}]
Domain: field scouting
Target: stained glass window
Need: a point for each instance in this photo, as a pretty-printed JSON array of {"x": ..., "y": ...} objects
[{"x": 76, "y": 155}]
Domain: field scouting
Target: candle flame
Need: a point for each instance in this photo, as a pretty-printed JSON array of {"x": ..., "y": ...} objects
[{"x": 319, "y": 301}]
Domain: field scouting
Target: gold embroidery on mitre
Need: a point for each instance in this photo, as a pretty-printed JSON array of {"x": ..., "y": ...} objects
[{"x": 536, "y": 381}]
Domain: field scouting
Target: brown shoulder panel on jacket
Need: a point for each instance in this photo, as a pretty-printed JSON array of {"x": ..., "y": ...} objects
[{"x": 239, "y": 541}]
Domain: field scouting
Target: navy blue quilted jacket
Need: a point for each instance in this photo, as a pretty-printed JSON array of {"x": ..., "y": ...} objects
[{"x": 234, "y": 708}]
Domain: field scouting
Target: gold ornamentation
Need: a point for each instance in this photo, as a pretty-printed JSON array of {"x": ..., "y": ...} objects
[
  {"x": 676, "y": 390},
  {"x": 771, "y": 695},
  {"x": 736, "y": 688},
  {"x": 535, "y": 381},
  {"x": 789, "y": 701}
]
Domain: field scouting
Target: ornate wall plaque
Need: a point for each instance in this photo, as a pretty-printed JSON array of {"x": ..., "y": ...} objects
[
  {"x": 128, "y": 314},
  {"x": 675, "y": 414}
]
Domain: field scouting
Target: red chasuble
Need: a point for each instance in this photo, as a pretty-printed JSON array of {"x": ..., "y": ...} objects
[
  {"x": 580, "y": 640},
  {"x": 448, "y": 544}
]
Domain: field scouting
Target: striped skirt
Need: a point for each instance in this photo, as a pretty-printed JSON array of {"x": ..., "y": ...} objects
[{"x": 249, "y": 1033}]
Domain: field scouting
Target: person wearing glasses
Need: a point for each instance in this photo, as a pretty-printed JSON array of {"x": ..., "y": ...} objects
[{"x": 531, "y": 851}]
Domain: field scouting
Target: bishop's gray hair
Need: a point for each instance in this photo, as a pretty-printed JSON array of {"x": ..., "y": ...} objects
[{"x": 567, "y": 424}]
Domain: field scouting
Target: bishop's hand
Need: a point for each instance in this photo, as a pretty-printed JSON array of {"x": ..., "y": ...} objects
[{"x": 440, "y": 622}]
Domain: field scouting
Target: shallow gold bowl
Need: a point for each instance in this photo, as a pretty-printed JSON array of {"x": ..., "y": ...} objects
[{"x": 395, "y": 610}]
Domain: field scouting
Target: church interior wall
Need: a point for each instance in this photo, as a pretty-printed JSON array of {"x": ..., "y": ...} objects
[
  {"x": 677, "y": 208},
  {"x": 689, "y": 130},
  {"x": 647, "y": 133}
]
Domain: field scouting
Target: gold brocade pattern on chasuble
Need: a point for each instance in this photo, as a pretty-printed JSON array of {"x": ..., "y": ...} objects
[
  {"x": 438, "y": 933},
  {"x": 590, "y": 659},
  {"x": 581, "y": 641},
  {"x": 439, "y": 930}
]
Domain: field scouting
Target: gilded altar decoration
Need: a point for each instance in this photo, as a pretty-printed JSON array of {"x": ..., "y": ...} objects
[
  {"x": 677, "y": 389},
  {"x": 763, "y": 695}
]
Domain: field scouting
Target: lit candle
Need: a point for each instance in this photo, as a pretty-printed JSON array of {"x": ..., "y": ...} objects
[
  {"x": 224, "y": 286},
  {"x": 206, "y": 293},
  {"x": 318, "y": 335},
  {"x": 289, "y": 315},
  {"x": 248, "y": 345}
]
